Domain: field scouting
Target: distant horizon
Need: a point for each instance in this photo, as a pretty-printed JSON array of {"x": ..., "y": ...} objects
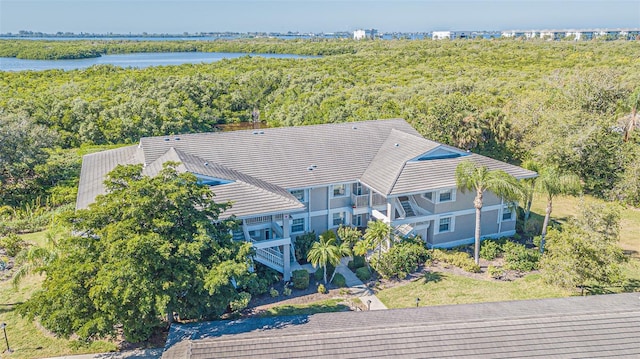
[
  {"x": 311, "y": 16},
  {"x": 27, "y": 33}
]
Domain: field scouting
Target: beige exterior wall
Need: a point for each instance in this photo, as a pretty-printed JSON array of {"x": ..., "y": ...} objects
[
  {"x": 424, "y": 203},
  {"x": 318, "y": 224},
  {"x": 465, "y": 201},
  {"x": 464, "y": 227},
  {"x": 318, "y": 199}
]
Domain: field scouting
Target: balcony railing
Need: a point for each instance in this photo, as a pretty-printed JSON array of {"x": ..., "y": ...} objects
[{"x": 359, "y": 201}]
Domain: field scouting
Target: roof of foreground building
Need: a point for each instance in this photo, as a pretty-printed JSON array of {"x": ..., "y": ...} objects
[{"x": 575, "y": 327}]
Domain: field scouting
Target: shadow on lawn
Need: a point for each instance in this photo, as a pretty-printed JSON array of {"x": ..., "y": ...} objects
[{"x": 434, "y": 277}]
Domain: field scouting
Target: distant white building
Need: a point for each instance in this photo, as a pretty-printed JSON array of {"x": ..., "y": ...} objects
[
  {"x": 365, "y": 34},
  {"x": 441, "y": 35}
]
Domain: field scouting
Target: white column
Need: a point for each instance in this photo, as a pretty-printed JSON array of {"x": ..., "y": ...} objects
[
  {"x": 286, "y": 249},
  {"x": 286, "y": 253}
]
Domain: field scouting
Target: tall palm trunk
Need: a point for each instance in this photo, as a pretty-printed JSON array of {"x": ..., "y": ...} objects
[
  {"x": 547, "y": 215},
  {"x": 325, "y": 273},
  {"x": 478, "y": 205}
]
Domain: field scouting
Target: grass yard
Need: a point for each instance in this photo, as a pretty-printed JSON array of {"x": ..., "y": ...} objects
[
  {"x": 325, "y": 306},
  {"x": 447, "y": 288},
  {"x": 26, "y": 338}
]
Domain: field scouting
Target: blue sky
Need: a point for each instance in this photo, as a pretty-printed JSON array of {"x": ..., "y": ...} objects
[{"x": 174, "y": 16}]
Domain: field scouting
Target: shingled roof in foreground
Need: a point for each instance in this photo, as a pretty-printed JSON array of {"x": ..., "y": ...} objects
[{"x": 576, "y": 327}]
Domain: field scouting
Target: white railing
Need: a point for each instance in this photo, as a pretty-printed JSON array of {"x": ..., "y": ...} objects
[
  {"x": 398, "y": 207},
  {"x": 277, "y": 230},
  {"x": 378, "y": 200},
  {"x": 417, "y": 208},
  {"x": 359, "y": 201},
  {"x": 270, "y": 255},
  {"x": 257, "y": 220},
  {"x": 379, "y": 216}
]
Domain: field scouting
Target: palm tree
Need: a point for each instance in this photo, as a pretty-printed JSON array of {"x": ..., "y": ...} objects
[
  {"x": 553, "y": 182},
  {"x": 528, "y": 187},
  {"x": 324, "y": 252},
  {"x": 35, "y": 259},
  {"x": 344, "y": 250},
  {"x": 376, "y": 234},
  {"x": 471, "y": 177}
]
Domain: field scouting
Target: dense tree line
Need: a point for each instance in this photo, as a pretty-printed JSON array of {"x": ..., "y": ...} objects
[
  {"x": 77, "y": 49},
  {"x": 561, "y": 103}
]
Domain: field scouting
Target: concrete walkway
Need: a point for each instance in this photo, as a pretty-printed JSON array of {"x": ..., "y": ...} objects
[{"x": 358, "y": 288}]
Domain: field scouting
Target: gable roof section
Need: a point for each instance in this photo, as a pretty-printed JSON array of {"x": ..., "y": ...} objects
[
  {"x": 387, "y": 165},
  {"x": 96, "y": 166},
  {"x": 592, "y": 326},
  {"x": 248, "y": 195},
  {"x": 417, "y": 176},
  {"x": 281, "y": 156}
]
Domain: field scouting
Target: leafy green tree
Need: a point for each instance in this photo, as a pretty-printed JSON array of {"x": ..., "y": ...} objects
[
  {"x": 149, "y": 248},
  {"x": 552, "y": 182},
  {"x": 323, "y": 253},
  {"x": 480, "y": 179},
  {"x": 23, "y": 146},
  {"x": 377, "y": 235},
  {"x": 349, "y": 235},
  {"x": 585, "y": 251}
]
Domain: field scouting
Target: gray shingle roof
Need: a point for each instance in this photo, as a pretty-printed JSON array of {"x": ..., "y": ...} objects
[
  {"x": 248, "y": 195},
  {"x": 281, "y": 156},
  {"x": 577, "y": 327},
  {"x": 95, "y": 168},
  {"x": 276, "y": 159}
]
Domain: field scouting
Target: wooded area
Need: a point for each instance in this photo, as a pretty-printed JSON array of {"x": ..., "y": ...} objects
[{"x": 564, "y": 104}]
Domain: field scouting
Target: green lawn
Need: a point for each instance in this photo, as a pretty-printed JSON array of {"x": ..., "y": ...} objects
[
  {"x": 325, "y": 306},
  {"x": 447, "y": 288},
  {"x": 26, "y": 338}
]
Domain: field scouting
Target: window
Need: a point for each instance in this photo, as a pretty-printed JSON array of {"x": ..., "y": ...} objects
[
  {"x": 445, "y": 225},
  {"x": 357, "y": 189},
  {"x": 356, "y": 221},
  {"x": 299, "y": 195},
  {"x": 339, "y": 190},
  {"x": 339, "y": 218},
  {"x": 428, "y": 195},
  {"x": 297, "y": 225},
  {"x": 507, "y": 214},
  {"x": 446, "y": 196}
]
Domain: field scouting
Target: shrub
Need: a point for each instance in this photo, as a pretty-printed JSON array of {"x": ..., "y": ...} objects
[
  {"x": 495, "y": 272},
  {"x": 241, "y": 302},
  {"x": 318, "y": 275},
  {"x": 322, "y": 289},
  {"x": 12, "y": 244},
  {"x": 489, "y": 250},
  {"x": 518, "y": 257},
  {"x": 300, "y": 279},
  {"x": 303, "y": 244},
  {"x": 357, "y": 262},
  {"x": 274, "y": 292},
  {"x": 459, "y": 259},
  {"x": 401, "y": 259},
  {"x": 287, "y": 291},
  {"x": 363, "y": 273},
  {"x": 339, "y": 280}
]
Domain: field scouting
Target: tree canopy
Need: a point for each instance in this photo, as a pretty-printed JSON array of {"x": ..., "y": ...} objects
[
  {"x": 149, "y": 248},
  {"x": 585, "y": 251}
]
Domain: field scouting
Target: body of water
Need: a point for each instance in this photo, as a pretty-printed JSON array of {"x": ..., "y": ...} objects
[{"x": 137, "y": 60}]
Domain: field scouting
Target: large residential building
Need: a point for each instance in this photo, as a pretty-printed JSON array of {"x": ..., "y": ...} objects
[{"x": 286, "y": 181}]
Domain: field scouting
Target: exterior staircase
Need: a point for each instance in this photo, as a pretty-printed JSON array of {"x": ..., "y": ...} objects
[
  {"x": 403, "y": 231},
  {"x": 406, "y": 206}
]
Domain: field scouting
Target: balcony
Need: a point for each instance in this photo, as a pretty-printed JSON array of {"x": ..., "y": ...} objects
[{"x": 362, "y": 201}]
